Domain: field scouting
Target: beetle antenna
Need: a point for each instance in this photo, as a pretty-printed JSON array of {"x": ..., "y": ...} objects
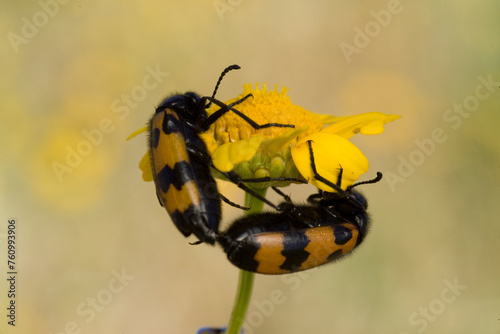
[
  {"x": 229, "y": 68},
  {"x": 375, "y": 180}
]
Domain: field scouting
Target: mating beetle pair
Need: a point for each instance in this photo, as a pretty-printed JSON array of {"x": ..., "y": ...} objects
[{"x": 297, "y": 237}]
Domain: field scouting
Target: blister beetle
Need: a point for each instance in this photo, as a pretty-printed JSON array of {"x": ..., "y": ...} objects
[
  {"x": 300, "y": 237},
  {"x": 181, "y": 163}
]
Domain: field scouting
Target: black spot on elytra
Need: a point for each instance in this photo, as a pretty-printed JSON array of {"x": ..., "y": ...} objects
[
  {"x": 177, "y": 176},
  {"x": 171, "y": 124},
  {"x": 155, "y": 137},
  {"x": 335, "y": 255},
  {"x": 294, "y": 244},
  {"x": 342, "y": 235}
]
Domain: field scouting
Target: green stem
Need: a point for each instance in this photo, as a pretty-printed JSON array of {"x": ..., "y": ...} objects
[{"x": 245, "y": 280}]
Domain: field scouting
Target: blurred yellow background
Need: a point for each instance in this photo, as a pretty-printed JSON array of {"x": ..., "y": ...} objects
[{"x": 97, "y": 254}]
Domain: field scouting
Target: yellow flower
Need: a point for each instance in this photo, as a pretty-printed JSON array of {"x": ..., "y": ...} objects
[
  {"x": 235, "y": 145},
  {"x": 283, "y": 152}
]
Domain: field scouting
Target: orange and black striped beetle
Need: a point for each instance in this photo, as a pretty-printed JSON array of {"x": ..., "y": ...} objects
[
  {"x": 181, "y": 162},
  {"x": 300, "y": 237}
]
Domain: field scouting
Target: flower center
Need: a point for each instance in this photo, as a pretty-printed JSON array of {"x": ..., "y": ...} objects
[{"x": 273, "y": 158}]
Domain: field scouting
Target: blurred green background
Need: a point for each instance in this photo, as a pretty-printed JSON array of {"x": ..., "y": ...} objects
[{"x": 74, "y": 70}]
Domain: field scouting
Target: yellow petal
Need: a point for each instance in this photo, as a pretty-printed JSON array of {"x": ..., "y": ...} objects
[
  {"x": 330, "y": 153},
  {"x": 370, "y": 123},
  {"x": 274, "y": 144},
  {"x": 135, "y": 133},
  {"x": 326, "y": 119},
  {"x": 145, "y": 166},
  {"x": 226, "y": 156}
]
